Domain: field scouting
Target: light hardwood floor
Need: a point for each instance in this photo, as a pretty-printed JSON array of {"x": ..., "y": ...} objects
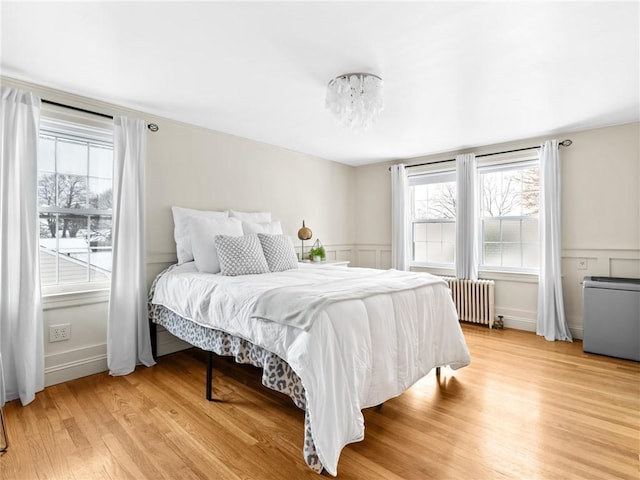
[{"x": 524, "y": 409}]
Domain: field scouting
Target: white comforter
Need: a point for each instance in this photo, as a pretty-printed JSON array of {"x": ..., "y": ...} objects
[{"x": 356, "y": 354}]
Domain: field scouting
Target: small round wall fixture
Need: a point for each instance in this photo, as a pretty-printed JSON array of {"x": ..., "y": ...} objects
[{"x": 153, "y": 127}]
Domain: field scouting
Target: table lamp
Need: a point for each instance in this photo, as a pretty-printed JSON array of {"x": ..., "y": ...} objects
[{"x": 304, "y": 234}]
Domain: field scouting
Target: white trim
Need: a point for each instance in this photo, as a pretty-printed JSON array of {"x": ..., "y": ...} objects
[
  {"x": 431, "y": 178},
  {"x": 66, "y": 366},
  {"x": 168, "y": 343},
  {"x": 507, "y": 165},
  {"x": 516, "y": 277},
  {"x": 519, "y": 277},
  {"x": 101, "y": 133},
  {"x": 75, "y": 298},
  {"x": 528, "y": 325}
]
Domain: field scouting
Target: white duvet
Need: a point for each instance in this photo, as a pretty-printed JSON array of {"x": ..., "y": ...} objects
[{"x": 357, "y": 353}]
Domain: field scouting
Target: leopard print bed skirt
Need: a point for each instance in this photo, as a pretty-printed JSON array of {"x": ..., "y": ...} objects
[{"x": 276, "y": 373}]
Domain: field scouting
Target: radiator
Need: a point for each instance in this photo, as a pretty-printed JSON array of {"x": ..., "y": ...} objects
[{"x": 474, "y": 299}]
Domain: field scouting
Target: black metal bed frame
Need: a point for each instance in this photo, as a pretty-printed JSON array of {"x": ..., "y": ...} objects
[{"x": 153, "y": 330}]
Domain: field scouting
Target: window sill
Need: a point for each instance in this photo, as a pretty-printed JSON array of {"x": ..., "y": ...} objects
[
  {"x": 504, "y": 276},
  {"x": 521, "y": 277},
  {"x": 66, "y": 299}
]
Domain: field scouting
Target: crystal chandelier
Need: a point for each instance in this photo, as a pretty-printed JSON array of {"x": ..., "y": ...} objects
[{"x": 355, "y": 98}]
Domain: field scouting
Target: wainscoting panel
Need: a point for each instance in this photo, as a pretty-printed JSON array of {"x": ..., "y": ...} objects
[
  {"x": 516, "y": 295},
  {"x": 373, "y": 256},
  {"x": 580, "y": 263}
]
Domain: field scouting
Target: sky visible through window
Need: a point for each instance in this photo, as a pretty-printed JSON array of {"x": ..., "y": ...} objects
[{"x": 75, "y": 201}]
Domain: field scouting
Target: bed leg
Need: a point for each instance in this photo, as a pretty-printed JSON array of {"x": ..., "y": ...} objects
[
  {"x": 210, "y": 376},
  {"x": 437, "y": 371},
  {"x": 153, "y": 333}
]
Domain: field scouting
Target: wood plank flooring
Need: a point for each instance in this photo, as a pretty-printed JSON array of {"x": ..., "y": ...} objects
[{"x": 524, "y": 409}]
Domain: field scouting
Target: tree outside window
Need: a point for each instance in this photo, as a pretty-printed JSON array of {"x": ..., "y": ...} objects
[
  {"x": 75, "y": 201},
  {"x": 509, "y": 203}
]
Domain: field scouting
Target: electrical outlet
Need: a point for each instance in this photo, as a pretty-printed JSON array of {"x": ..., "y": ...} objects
[
  {"x": 58, "y": 333},
  {"x": 582, "y": 264}
]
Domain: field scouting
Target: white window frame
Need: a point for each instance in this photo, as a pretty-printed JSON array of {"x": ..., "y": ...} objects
[
  {"x": 485, "y": 165},
  {"x": 429, "y": 179},
  {"x": 502, "y": 166},
  {"x": 97, "y": 131}
]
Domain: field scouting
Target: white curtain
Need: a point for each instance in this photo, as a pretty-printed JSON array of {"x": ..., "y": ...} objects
[
  {"x": 551, "y": 323},
  {"x": 128, "y": 339},
  {"x": 400, "y": 240},
  {"x": 467, "y": 217},
  {"x": 21, "y": 342}
]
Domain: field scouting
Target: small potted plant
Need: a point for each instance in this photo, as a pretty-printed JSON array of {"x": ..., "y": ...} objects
[{"x": 317, "y": 253}]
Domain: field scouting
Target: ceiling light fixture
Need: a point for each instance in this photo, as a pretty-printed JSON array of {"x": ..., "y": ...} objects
[{"x": 355, "y": 98}]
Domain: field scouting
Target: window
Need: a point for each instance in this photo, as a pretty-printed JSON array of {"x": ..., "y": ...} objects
[
  {"x": 433, "y": 218},
  {"x": 75, "y": 163},
  {"x": 508, "y": 224},
  {"x": 509, "y": 216}
]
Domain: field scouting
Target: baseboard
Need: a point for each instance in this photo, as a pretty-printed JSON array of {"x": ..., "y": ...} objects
[
  {"x": 530, "y": 326},
  {"x": 63, "y": 368},
  {"x": 71, "y": 365},
  {"x": 520, "y": 324},
  {"x": 167, "y": 343}
]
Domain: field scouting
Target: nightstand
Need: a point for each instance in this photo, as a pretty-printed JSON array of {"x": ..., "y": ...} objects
[{"x": 330, "y": 263}]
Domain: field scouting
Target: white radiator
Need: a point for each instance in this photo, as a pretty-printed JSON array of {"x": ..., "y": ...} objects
[{"x": 474, "y": 299}]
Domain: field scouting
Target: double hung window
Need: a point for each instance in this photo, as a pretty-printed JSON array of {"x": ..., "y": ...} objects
[
  {"x": 509, "y": 216},
  {"x": 75, "y": 164},
  {"x": 433, "y": 218},
  {"x": 508, "y": 202}
]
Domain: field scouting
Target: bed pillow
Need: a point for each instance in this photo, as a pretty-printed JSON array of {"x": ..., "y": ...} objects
[
  {"x": 240, "y": 255},
  {"x": 279, "y": 252},
  {"x": 181, "y": 229},
  {"x": 272, "y": 228},
  {"x": 255, "y": 217},
  {"x": 203, "y": 233}
]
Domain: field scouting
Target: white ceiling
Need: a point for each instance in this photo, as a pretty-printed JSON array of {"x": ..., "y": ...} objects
[{"x": 456, "y": 74}]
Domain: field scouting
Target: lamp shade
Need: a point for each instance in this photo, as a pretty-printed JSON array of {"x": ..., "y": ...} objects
[{"x": 305, "y": 232}]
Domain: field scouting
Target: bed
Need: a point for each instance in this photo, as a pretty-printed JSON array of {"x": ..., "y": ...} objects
[{"x": 335, "y": 339}]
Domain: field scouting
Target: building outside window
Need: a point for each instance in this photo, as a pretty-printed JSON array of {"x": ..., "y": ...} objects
[{"x": 75, "y": 165}]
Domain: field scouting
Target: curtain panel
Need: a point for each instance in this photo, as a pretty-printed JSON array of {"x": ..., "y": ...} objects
[
  {"x": 551, "y": 321},
  {"x": 128, "y": 340},
  {"x": 21, "y": 324},
  {"x": 467, "y": 217},
  {"x": 400, "y": 218}
]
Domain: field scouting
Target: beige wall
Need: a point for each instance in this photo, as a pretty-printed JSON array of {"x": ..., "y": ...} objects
[
  {"x": 601, "y": 218},
  {"x": 349, "y": 210},
  {"x": 199, "y": 168}
]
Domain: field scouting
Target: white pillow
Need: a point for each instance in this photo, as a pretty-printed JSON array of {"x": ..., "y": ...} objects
[
  {"x": 255, "y": 217},
  {"x": 181, "y": 230},
  {"x": 241, "y": 255},
  {"x": 203, "y": 234},
  {"x": 272, "y": 228},
  {"x": 279, "y": 252}
]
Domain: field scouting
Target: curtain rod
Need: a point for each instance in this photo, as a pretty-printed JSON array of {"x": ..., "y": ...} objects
[
  {"x": 151, "y": 126},
  {"x": 563, "y": 143}
]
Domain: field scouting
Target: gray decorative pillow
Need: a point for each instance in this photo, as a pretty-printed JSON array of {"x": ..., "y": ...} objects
[
  {"x": 279, "y": 252},
  {"x": 240, "y": 255}
]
